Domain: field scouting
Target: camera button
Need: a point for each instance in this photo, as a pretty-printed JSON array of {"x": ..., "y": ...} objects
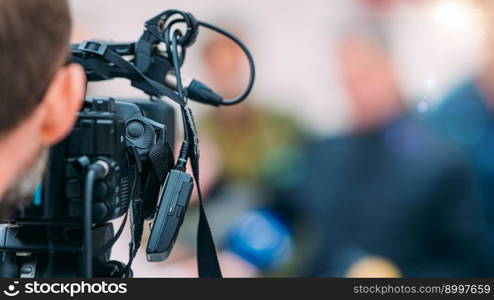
[{"x": 135, "y": 129}]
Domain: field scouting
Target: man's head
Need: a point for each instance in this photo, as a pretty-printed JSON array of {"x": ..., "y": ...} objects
[
  {"x": 39, "y": 94},
  {"x": 369, "y": 77},
  {"x": 227, "y": 71},
  {"x": 225, "y": 63}
]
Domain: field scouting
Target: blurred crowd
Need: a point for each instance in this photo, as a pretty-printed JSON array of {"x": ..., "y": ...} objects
[{"x": 402, "y": 192}]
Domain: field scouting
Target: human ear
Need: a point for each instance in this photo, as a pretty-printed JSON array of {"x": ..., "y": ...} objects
[{"x": 61, "y": 103}]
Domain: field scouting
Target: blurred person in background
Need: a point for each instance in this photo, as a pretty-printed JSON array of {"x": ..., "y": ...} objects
[
  {"x": 248, "y": 136},
  {"x": 246, "y": 150},
  {"x": 388, "y": 199},
  {"x": 466, "y": 118}
]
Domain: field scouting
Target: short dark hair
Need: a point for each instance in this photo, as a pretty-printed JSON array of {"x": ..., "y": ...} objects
[{"x": 34, "y": 38}]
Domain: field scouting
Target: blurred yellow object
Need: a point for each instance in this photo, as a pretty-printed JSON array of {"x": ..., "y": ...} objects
[
  {"x": 373, "y": 267},
  {"x": 250, "y": 140}
]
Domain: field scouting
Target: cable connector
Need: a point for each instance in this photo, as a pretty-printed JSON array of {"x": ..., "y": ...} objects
[
  {"x": 195, "y": 89},
  {"x": 183, "y": 156},
  {"x": 101, "y": 169},
  {"x": 199, "y": 92}
]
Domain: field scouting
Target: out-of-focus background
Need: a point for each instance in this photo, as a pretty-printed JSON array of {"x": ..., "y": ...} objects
[
  {"x": 436, "y": 43},
  {"x": 347, "y": 160}
]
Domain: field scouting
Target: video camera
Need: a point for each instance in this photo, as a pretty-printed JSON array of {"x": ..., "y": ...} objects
[{"x": 119, "y": 161}]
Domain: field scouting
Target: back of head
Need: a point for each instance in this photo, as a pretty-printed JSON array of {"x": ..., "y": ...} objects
[{"x": 34, "y": 35}]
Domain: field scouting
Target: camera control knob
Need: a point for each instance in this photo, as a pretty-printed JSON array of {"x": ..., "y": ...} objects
[
  {"x": 102, "y": 190},
  {"x": 135, "y": 129}
]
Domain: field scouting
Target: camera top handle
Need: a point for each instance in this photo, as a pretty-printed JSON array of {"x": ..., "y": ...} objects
[{"x": 151, "y": 69}]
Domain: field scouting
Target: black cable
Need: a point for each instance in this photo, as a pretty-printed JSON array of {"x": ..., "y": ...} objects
[
  {"x": 117, "y": 235},
  {"x": 244, "y": 48},
  {"x": 207, "y": 259},
  {"x": 176, "y": 63},
  {"x": 135, "y": 187},
  {"x": 184, "y": 151},
  {"x": 177, "y": 36},
  {"x": 97, "y": 170},
  {"x": 179, "y": 59},
  {"x": 88, "y": 222}
]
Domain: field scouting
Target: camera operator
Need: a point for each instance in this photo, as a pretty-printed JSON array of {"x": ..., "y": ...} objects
[{"x": 40, "y": 94}]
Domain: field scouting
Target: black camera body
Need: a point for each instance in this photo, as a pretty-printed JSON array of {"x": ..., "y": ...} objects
[{"x": 119, "y": 132}]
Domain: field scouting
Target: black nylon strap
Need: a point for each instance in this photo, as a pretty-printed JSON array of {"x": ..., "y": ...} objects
[
  {"x": 113, "y": 57},
  {"x": 207, "y": 258}
]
